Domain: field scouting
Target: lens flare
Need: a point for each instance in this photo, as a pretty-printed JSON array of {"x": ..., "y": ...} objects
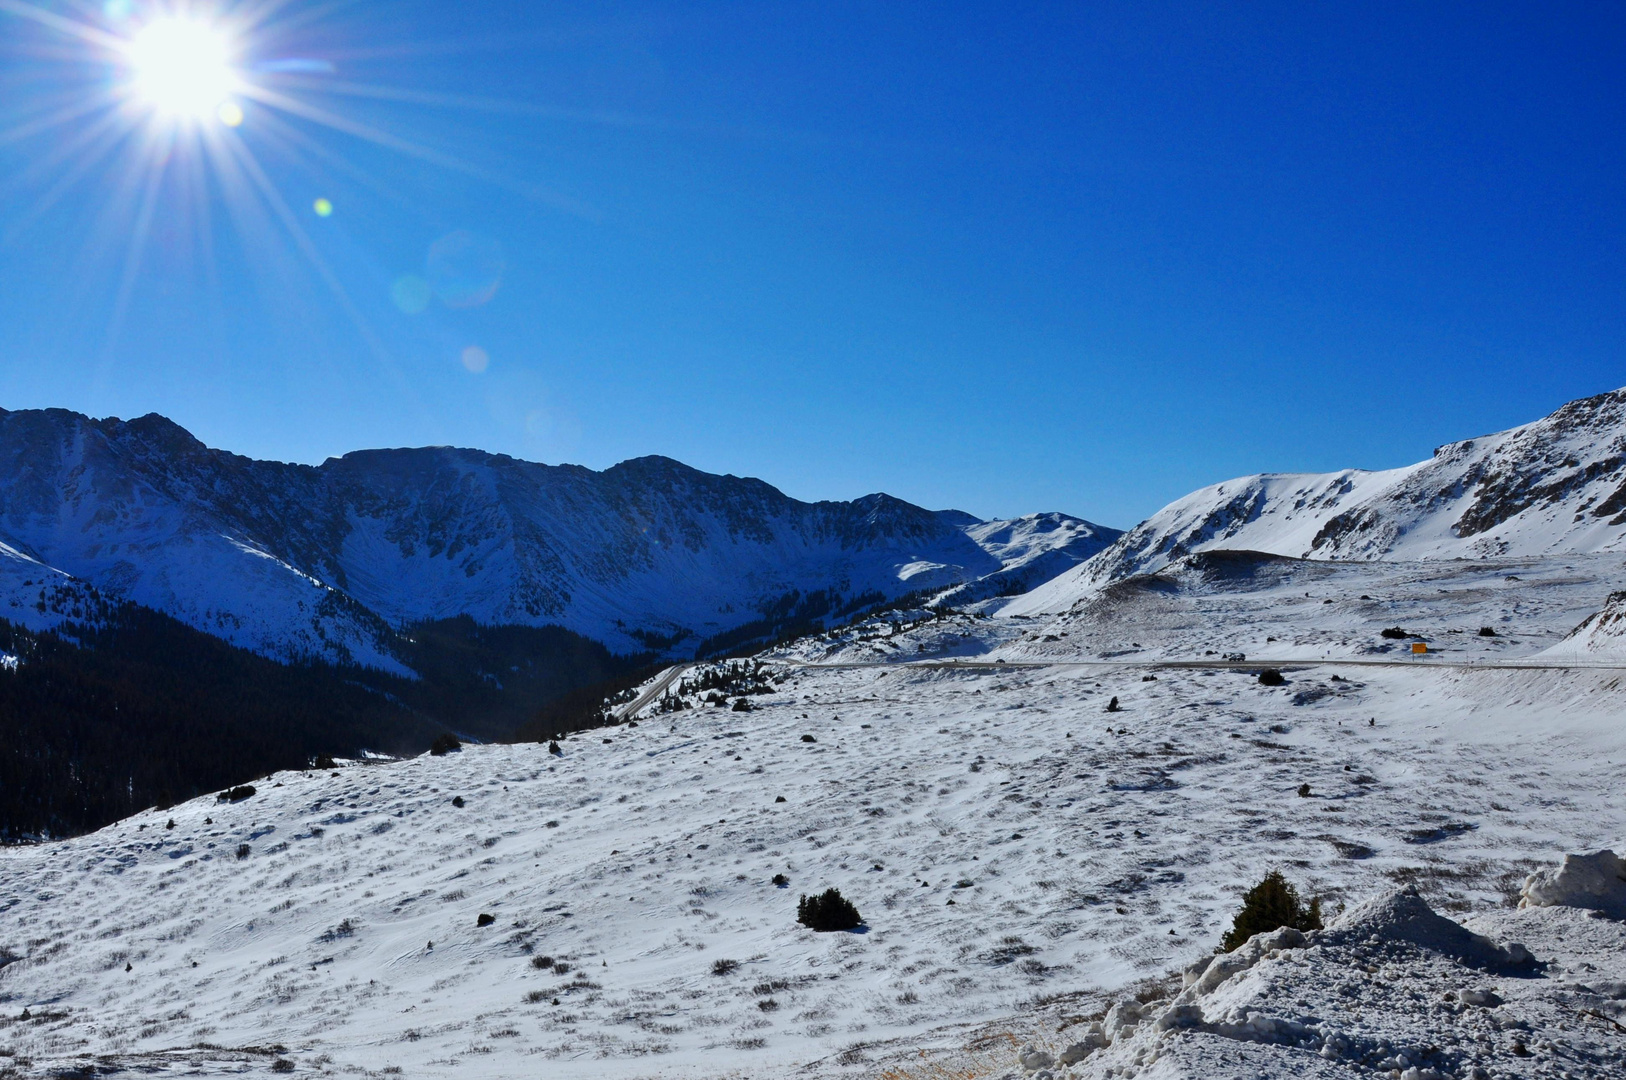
[
  {"x": 182, "y": 67},
  {"x": 464, "y": 268},
  {"x": 230, "y": 113},
  {"x": 323, "y": 208},
  {"x": 411, "y": 294},
  {"x": 476, "y": 359}
]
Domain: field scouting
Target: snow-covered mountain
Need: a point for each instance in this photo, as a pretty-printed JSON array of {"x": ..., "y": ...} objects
[
  {"x": 1034, "y": 548},
  {"x": 323, "y": 561},
  {"x": 1555, "y": 486}
]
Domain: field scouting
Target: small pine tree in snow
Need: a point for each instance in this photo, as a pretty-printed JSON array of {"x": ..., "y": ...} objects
[
  {"x": 1271, "y": 905},
  {"x": 828, "y": 911}
]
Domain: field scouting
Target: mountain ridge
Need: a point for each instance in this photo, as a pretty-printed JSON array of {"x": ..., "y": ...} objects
[{"x": 323, "y": 561}]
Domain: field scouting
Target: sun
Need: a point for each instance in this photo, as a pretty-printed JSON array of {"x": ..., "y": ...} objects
[{"x": 182, "y": 67}]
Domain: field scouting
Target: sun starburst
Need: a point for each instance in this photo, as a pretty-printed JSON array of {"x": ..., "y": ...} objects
[
  {"x": 171, "y": 105},
  {"x": 183, "y": 67}
]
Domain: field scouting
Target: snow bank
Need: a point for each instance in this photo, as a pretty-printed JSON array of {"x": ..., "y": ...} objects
[
  {"x": 1391, "y": 987},
  {"x": 1596, "y": 881}
]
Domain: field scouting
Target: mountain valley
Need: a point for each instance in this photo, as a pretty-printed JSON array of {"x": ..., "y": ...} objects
[{"x": 1045, "y": 778}]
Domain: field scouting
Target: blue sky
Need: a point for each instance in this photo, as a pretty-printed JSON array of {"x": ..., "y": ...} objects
[{"x": 1002, "y": 257}]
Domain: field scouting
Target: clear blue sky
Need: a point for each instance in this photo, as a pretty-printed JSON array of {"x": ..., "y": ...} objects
[{"x": 1003, "y": 257}]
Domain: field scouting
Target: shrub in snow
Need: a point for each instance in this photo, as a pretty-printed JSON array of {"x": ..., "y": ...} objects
[
  {"x": 322, "y": 761},
  {"x": 742, "y": 705},
  {"x": 553, "y": 748},
  {"x": 282, "y": 1065},
  {"x": 236, "y": 794},
  {"x": 485, "y": 920},
  {"x": 1112, "y": 706},
  {"x": 541, "y": 963},
  {"x": 809, "y": 738},
  {"x": 1271, "y": 905},
  {"x": 1487, "y": 631},
  {"x": 725, "y": 967},
  {"x": 343, "y": 930},
  {"x": 457, "y": 800},
  {"x": 781, "y": 880},
  {"x": 828, "y": 911},
  {"x": 445, "y": 744},
  {"x": 1271, "y": 677},
  {"x": 243, "y": 851},
  {"x": 1394, "y": 632},
  {"x": 1304, "y": 791}
]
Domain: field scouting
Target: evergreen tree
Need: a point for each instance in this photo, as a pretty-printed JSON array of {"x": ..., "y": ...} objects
[{"x": 1271, "y": 905}]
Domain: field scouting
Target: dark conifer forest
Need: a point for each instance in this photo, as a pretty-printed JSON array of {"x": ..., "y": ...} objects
[{"x": 136, "y": 709}]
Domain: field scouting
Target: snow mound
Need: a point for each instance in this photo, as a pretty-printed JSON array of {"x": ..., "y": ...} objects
[
  {"x": 1596, "y": 881},
  {"x": 1374, "y": 993},
  {"x": 1404, "y": 916}
]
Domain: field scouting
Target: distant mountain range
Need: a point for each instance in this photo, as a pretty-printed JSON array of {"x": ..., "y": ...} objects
[{"x": 331, "y": 562}]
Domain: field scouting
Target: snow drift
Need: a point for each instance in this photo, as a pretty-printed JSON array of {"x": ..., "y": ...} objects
[{"x": 1372, "y": 993}]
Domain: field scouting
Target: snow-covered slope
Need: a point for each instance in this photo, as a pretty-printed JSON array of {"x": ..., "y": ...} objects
[
  {"x": 1601, "y": 635},
  {"x": 1557, "y": 485},
  {"x": 296, "y": 561},
  {"x": 37, "y": 597},
  {"x": 1018, "y": 855}
]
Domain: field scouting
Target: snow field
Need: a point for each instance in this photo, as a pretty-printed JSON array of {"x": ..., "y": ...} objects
[
  {"x": 1286, "y": 609},
  {"x": 1081, "y": 850}
]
